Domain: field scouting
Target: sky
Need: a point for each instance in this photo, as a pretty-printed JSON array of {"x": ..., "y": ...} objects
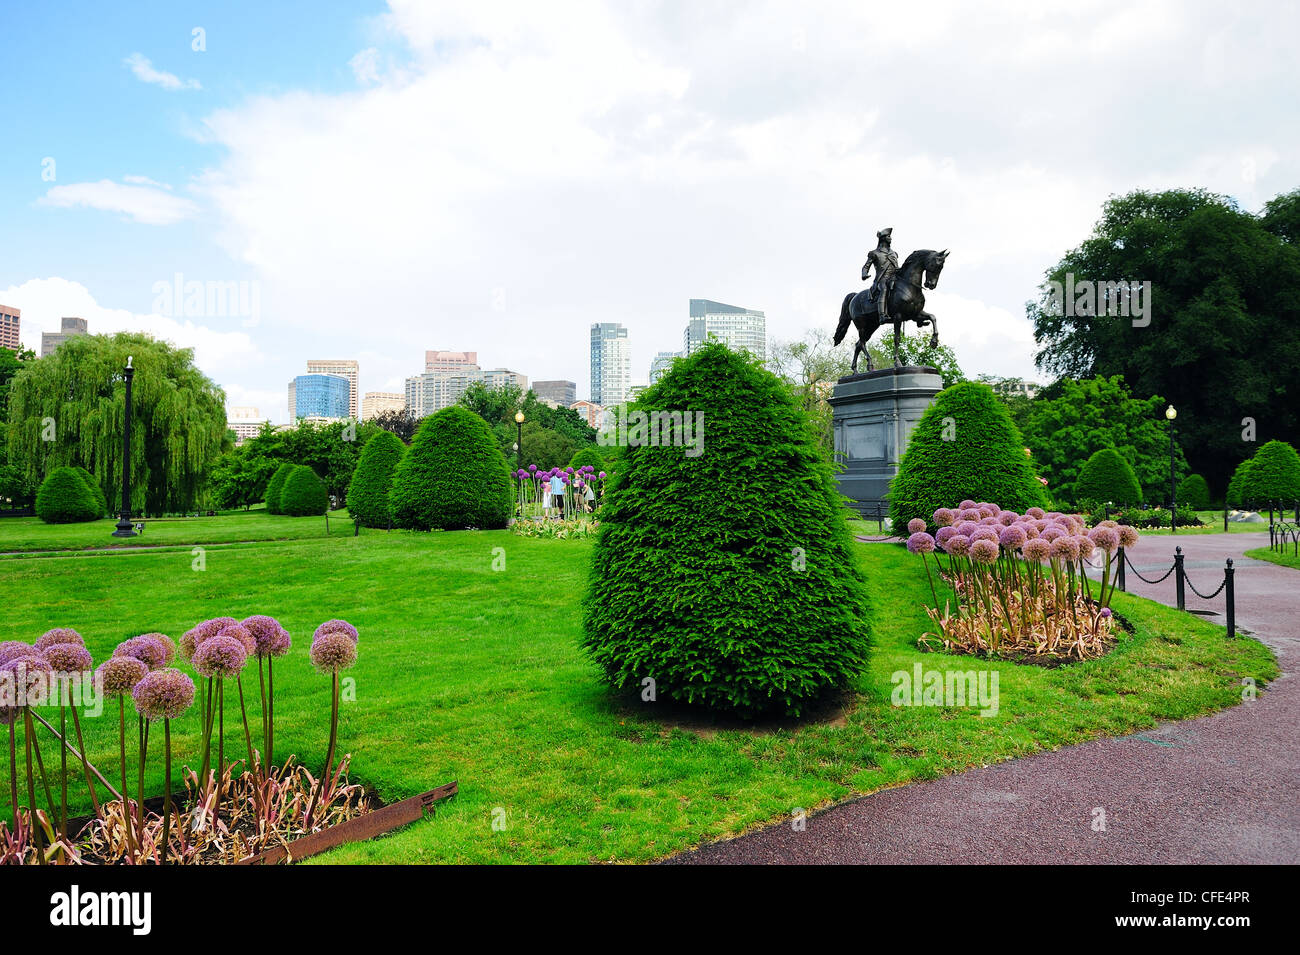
[{"x": 367, "y": 180}]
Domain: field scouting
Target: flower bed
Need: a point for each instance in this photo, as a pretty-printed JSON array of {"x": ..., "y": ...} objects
[
  {"x": 232, "y": 809},
  {"x": 1020, "y": 590}
]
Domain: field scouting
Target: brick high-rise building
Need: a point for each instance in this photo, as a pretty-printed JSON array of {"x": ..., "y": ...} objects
[
  {"x": 10, "y": 327},
  {"x": 346, "y": 368}
]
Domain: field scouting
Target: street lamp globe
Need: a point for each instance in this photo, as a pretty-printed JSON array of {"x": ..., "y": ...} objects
[
  {"x": 519, "y": 417},
  {"x": 1171, "y": 413}
]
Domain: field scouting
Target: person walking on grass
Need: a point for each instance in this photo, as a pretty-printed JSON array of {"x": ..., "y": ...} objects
[{"x": 546, "y": 500}]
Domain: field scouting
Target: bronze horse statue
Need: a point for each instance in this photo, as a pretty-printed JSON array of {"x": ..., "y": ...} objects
[{"x": 906, "y": 303}]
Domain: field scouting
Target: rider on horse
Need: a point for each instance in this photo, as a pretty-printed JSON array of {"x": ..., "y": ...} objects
[{"x": 885, "y": 260}]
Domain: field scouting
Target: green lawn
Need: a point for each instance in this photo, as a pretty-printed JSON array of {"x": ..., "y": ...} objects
[
  {"x": 1213, "y": 525},
  {"x": 474, "y": 674},
  {"x": 1287, "y": 559},
  {"x": 31, "y": 534}
]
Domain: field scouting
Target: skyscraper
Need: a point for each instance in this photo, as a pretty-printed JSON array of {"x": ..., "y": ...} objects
[
  {"x": 662, "y": 362},
  {"x": 245, "y": 421},
  {"x": 69, "y": 327},
  {"x": 10, "y": 325},
  {"x": 347, "y": 368},
  {"x": 563, "y": 393},
  {"x": 375, "y": 403},
  {"x": 319, "y": 396},
  {"x": 449, "y": 361},
  {"x": 435, "y": 390},
  {"x": 738, "y": 328},
  {"x": 611, "y": 363}
]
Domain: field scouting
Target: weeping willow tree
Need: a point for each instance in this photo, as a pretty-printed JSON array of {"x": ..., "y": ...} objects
[{"x": 67, "y": 410}]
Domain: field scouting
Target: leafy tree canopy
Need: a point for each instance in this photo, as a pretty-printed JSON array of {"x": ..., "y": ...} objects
[{"x": 1223, "y": 339}]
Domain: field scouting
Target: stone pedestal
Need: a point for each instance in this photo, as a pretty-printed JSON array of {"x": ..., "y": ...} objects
[{"x": 873, "y": 416}]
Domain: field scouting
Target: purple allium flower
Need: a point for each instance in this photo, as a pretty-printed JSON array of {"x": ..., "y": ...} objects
[
  {"x": 920, "y": 543},
  {"x": 1012, "y": 537},
  {"x": 602, "y": 475},
  {"x": 916, "y": 526},
  {"x": 237, "y": 631},
  {"x": 1036, "y": 549},
  {"x": 968, "y": 514},
  {"x": 1051, "y": 532},
  {"x": 966, "y": 504},
  {"x": 120, "y": 674},
  {"x": 983, "y": 533},
  {"x": 532, "y": 467},
  {"x": 984, "y": 551},
  {"x": 1037, "y": 513},
  {"x": 1065, "y": 548},
  {"x": 943, "y": 517},
  {"x": 943, "y": 535},
  {"x": 271, "y": 639},
  {"x": 69, "y": 658},
  {"x": 967, "y": 528},
  {"x": 989, "y": 521},
  {"x": 220, "y": 656},
  {"x": 149, "y": 650},
  {"x": 958, "y": 545},
  {"x": 30, "y": 680},
  {"x": 164, "y": 694},
  {"x": 333, "y": 651},
  {"x": 1106, "y": 612},
  {"x": 1108, "y": 523},
  {"x": 335, "y": 626},
  {"x": 191, "y": 639},
  {"x": 1106, "y": 538},
  {"x": 10, "y": 649},
  {"x": 1086, "y": 546},
  {"x": 59, "y": 635},
  {"x": 169, "y": 645},
  {"x": 1128, "y": 536},
  {"x": 1007, "y": 518}
]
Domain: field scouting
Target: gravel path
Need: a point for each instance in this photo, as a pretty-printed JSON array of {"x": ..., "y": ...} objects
[{"x": 1224, "y": 788}]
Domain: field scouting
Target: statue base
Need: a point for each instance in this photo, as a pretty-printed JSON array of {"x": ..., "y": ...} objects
[{"x": 873, "y": 414}]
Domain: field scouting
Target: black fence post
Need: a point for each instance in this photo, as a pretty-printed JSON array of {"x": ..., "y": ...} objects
[
  {"x": 1230, "y": 597},
  {"x": 1225, "y": 518},
  {"x": 1178, "y": 578},
  {"x": 1119, "y": 574},
  {"x": 356, "y": 527}
]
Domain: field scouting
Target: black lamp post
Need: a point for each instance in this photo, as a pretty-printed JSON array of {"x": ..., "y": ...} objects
[
  {"x": 1170, "y": 414},
  {"x": 124, "y": 528}
]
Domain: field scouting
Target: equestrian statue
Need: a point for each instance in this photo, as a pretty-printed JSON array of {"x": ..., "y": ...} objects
[{"x": 894, "y": 296}]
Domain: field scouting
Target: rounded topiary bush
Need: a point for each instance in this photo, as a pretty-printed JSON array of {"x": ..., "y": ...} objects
[
  {"x": 64, "y": 498},
  {"x": 589, "y": 456},
  {"x": 373, "y": 479},
  {"x": 276, "y": 485},
  {"x": 964, "y": 446},
  {"x": 303, "y": 493},
  {"x": 1232, "y": 496},
  {"x": 726, "y": 576},
  {"x": 1273, "y": 477},
  {"x": 1107, "y": 478},
  {"x": 93, "y": 483},
  {"x": 1194, "y": 492},
  {"x": 453, "y": 476}
]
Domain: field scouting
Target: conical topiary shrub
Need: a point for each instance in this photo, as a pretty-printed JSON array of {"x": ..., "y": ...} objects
[
  {"x": 1273, "y": 477},
  {"x": 373, "y": 479},
  {"x": 1106, "y": 478},
  {"x": 725, "y": 575},
  {"x": 964, "y": 446},
  {"x": 64, "y": 498},
  {"x": 93, "y": 483},
  {"x": 276, "y": 485},
  {"x": 303, "y": 493},
  {"x": 1194, "y": 492},
  {"x": 1232, "y": 497},
  {"x": 453, "y": 476}
]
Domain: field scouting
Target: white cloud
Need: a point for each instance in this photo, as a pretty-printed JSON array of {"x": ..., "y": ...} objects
[
  {"x": 145, "y": 181},
  {"x": 221, "y": 355},
  {"x": 141, "y": 203},
  {"x": 145, "y": 72},
  {"x": 530, "y": 169}
]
